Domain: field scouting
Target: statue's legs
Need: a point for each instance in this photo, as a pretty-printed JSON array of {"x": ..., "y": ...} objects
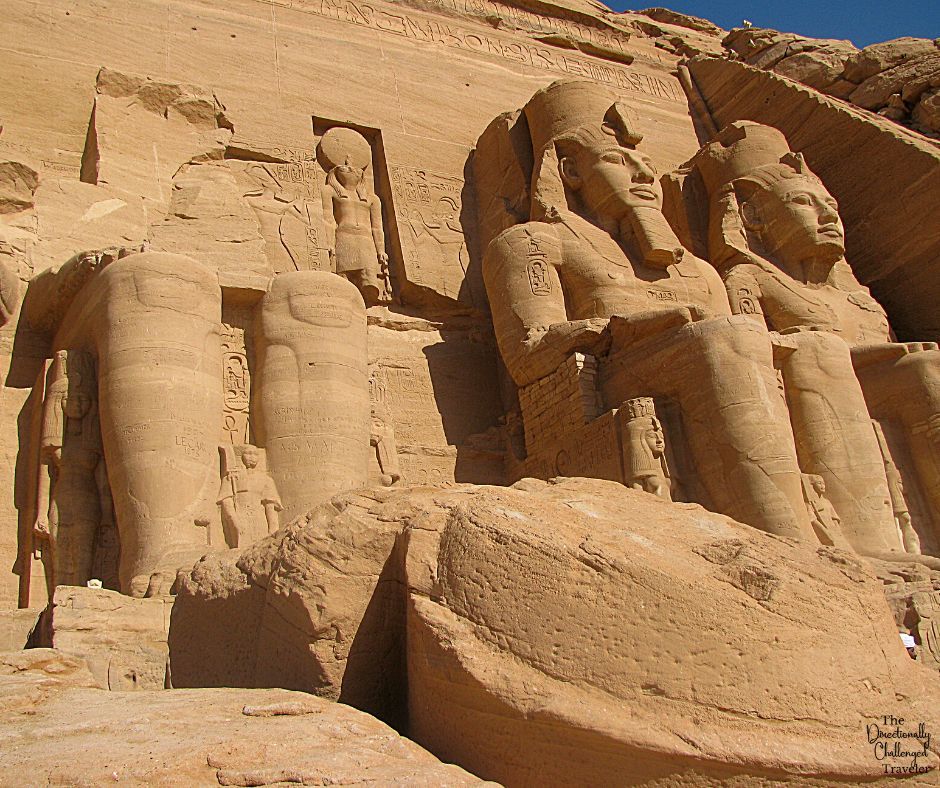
[
  {"x": 835, "y": 438},
  {"x": 79, "y": 515},
  {"x": 721, "y": 374},
  {"x": 314, "y": 388},
  {"x": 157, "y": 320},
  {"x": 906, "y": 390}
]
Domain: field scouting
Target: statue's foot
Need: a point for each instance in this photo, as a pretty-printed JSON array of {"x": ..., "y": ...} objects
[
  {"x": 154, "y": 585},
  {"x": 164, "y": 579}
]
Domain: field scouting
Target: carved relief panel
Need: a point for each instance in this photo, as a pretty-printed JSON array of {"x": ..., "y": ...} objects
[
  {"x": 237, "y": 344},
  {"x": 429, "y": 212},
  {"x": 284, "y": 197}
]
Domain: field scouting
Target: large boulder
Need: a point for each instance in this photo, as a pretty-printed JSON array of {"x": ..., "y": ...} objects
[
  {"x": 921, "y": 73},
  {"x": 880, "y": 57},
  {"x": 122, "y": 639},
  {"x": 574, "y": 632},
  {"x": 316, "y": 607},
  {"x": 579, "y": 633}
]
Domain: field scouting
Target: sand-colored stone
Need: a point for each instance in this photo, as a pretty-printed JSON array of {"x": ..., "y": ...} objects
[
  {"x": 214, "y": 150},
  {"x": 58, "y": 731},
  {"x": 790, "y": 274},
  {"x": 693, "y": 617},
  {"x": 28, "y": 677},
  {"x": 888, "y": 78},
  {"x": 598, "y": 270},
  {"x": 682, "y": 20},
  {"x": 892, "y": 251},
  {"x": 481, "y": 625},
  {"x": 122, "y": 640},
  {"x": 876, "y": 58},
  {"x": 284, "y": 287},
  {"x": 318, "y": 607},
  {"x": 706, "y": 640}
]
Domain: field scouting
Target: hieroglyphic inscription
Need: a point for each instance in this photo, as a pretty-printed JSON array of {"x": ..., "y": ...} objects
[
  {"x": 391, "y": 20},
  {"x": 236, "y": 377},
  {"x": 537, "y": 268},
  {"x": 521, "y": 17},
  {"x": 661, "y": 295},
  {"x": 408, "y": 394},
  {"x": 429, "y": 206}
]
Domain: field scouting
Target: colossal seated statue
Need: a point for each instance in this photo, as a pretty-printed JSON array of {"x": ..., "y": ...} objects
[
  {"x": 594, "y": 268},
  {"x": 774, "y": 233}
]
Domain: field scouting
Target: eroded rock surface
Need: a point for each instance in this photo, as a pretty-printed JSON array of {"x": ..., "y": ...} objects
[
  {"x": 568, "y": 632},
  {"x": 896, "y": 79},
  {"x": 122, "y": 639},
  {"x": 58, "y": 731}
]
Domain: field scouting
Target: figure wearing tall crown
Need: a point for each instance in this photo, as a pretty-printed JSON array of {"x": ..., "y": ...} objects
[
  {"x": 592, "y": 266},
  {"x": 775, "y": 235},
  {"x": 353, "y": 214},
  {"x": 644, "y": 449}
]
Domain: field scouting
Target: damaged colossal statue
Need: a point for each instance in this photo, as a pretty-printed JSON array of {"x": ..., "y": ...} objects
[
  {"x": 774, "y": 233},
  {"x": 596, "y": 269},
  {"x": 135, "y": 339}
]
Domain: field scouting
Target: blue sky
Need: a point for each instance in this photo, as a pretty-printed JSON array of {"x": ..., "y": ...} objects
[{"x": 861, "y": 21}]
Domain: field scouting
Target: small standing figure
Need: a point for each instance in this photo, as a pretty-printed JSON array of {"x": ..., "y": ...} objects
[
  {"x": 822, "y": 514},
  {"x": 644, "y": 449},
  {"x": 73, "y": 495},
  {"x": 248, "y": 497},
  {"x": 383, "y": 440},
  {"x": 899, "y": 507},
  {"x": 353, "y": 214},
  {"x": 902, "y": 514}
]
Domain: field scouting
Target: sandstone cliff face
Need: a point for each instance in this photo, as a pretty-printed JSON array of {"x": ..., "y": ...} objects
[
  {"x": 174, "y": 175},
  {"x": 573, "y": 632}
]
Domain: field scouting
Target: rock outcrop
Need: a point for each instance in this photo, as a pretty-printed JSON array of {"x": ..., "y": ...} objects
[
  {"x": 298, "y": 299},
  {"x": 567, "y": 632},
  {"x": 899, "y": 79},
  {"x": 122, "y": 639},
  {"x": 57, "y": 730}
]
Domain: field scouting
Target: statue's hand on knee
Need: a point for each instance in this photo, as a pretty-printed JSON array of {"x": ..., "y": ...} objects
[
  {"x": 589, "y": 335},
  {"x": 627, "y": 329},
  {"x": 869, "y": 355}
]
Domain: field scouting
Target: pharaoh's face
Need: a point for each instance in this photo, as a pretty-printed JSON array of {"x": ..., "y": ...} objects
[
  {"x": 611, "y": 179},
  {"x": 250, "y": 458},
  {"x": 654, "y": 439},
  {"x": 801, "y": 221},
  {"x": 819, "y": 485}
]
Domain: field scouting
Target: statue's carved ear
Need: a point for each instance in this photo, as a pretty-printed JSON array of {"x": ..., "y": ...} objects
[
  {"x": 746, "y": 193},
  {"x": 569, "y": 172}
]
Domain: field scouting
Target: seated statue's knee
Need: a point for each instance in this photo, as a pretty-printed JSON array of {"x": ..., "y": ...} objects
[{"x": 731, "y": 337}]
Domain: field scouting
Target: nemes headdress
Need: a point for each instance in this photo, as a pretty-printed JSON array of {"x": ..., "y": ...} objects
[{"x": 571, "y": 111}]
